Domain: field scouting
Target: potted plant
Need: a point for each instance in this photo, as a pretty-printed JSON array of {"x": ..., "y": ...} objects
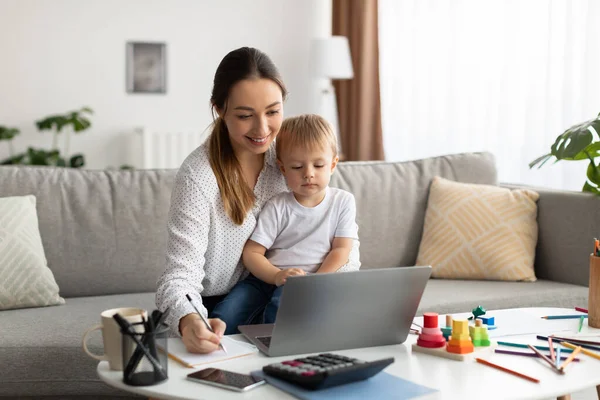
[
  {"x": 73, "y": 121},
  {"x": 579, "y": 142}
]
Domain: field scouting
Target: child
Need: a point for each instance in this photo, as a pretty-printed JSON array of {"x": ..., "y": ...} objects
[{"x": 308, "y": 230}]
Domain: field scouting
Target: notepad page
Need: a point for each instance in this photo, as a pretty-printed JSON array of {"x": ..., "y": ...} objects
[{"x": 234, "y": 348}]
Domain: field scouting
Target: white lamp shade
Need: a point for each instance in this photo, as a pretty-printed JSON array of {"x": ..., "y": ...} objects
[{"x": 330, "y": 58}]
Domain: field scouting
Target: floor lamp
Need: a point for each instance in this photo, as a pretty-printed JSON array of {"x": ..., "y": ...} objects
[{"x": 330, "y": 59}]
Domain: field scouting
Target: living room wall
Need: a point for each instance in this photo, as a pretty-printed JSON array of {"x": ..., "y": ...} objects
[{"x": 60, "y": 55}]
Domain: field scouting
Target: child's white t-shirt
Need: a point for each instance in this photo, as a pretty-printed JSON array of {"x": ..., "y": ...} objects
[{"x": 301, "y": 237}]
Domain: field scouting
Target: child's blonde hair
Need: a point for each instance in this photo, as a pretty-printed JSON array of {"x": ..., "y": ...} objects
[{"x": 308, "y": 131}]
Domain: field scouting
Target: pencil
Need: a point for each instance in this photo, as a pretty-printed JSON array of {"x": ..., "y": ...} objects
[
  {"x": 586, "y": 344},
  {"x": 552, "y": 356},
  {"x": 581, "y": 309},
  {"x": 521, "y": 353},
  {"x": 524, "y": 346},
  {"x": 576, "y": 351},
  {"x": 549, "y": 361},
  {"x": 510, "y": 371},
  {"x": 564, "y": 316},
  {"x": 584, "y": 351},
  {"x": 580, "y": 323}
]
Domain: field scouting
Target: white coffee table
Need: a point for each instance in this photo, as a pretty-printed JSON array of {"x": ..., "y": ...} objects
[{"x": 452, "y": 379}]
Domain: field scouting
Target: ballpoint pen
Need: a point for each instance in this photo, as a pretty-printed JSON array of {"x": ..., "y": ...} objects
[{"x": 204, "y": 320}]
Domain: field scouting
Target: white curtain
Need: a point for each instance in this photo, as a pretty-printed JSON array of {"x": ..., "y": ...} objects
[{"x": 479, "y": 75}]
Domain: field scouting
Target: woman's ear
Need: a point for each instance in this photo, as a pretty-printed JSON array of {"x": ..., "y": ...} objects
[{"x": 219, "y": 111}]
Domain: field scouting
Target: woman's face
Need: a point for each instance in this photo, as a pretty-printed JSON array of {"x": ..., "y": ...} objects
[{"x": 254, "y": 112}]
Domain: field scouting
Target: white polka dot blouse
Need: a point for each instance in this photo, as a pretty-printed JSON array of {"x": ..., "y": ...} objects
[{"x": 204, "y": 246}]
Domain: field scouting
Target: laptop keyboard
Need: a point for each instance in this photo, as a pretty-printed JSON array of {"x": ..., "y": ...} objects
[{"x": 266, "y": 340}]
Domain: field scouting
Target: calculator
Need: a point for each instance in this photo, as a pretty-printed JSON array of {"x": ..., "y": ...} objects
[{"x": 325, "y": 370}]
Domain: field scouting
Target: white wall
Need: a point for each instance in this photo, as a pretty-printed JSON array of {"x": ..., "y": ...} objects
[{"x": 59, "y": 55}]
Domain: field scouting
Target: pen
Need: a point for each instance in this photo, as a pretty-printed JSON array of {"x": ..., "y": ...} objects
[{"x": 204, "y": 320}]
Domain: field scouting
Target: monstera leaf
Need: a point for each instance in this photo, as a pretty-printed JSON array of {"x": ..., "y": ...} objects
[{"x": 576, "y": 143}]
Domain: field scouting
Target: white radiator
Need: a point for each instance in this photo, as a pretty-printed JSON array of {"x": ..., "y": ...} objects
[{"x": 167, "y": 149}]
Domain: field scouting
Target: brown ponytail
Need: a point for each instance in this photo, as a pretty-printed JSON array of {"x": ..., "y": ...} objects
[
  {"x": 237, "y": 198},
  {"x": 243, "y": 63}
]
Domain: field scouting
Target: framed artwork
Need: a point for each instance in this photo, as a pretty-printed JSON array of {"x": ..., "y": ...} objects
[{"x": 146, "y": 67}]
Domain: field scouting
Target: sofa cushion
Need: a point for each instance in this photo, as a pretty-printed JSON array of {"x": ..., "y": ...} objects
[
  {"x": 104, "y": 232},
  {"x": 391, "y": 198},
  {"x": 479, "y": 232},
  {"x": 42, "y": 346},
  {"x": 25, "y": 279},
  {"x": 453, "y": 296}
]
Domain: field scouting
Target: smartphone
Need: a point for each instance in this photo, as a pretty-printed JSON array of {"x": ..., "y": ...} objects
[{"x": 226, "y": 379}]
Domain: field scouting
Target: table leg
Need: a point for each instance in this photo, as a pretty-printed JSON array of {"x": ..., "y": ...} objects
[
  {"x": 598, "y": 390},
  {"x": 565, "y": 397}
]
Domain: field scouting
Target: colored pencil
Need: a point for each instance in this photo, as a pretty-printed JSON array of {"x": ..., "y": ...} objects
[
  {"x": 549, "y": 361},
  {"x": 582, "y": 343},
  {"x": 580, "y": 323},
  {"x": 507, "y": 370},
  {"x": 552, "y": 356},
  {"x": 564, "y": 316},
  {"x": 524, "y": 346},
  {"x": 520, "y": 353},
  {"x": 581, "y": 309},
  {"x": 558, "y": 357},
  {"x": 584, "y": 351},
  {"x": 571, "y": 357}
]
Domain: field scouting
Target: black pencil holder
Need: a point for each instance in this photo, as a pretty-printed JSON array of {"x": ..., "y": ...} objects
[{"x": 145, "y": 359}]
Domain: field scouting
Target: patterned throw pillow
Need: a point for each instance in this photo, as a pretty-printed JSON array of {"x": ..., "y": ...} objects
[
  {"x": 479, "y": 232},
  {"x": 25, "y": 279}
]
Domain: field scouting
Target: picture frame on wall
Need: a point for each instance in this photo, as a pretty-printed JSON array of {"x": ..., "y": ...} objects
[{"x": 146, "y": 67}]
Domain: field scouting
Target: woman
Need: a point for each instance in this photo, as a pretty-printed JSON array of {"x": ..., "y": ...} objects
[{"x": 217, "y": 195}]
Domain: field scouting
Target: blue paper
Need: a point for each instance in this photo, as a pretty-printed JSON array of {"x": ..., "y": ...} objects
[{"x": 381, "y": 386}]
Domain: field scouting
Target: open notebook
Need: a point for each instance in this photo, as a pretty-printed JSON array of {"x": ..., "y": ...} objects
[{"x": 235, "y": 349}]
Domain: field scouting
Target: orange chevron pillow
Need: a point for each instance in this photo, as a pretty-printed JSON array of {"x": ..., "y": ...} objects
[{"x": 479, "y": 232}]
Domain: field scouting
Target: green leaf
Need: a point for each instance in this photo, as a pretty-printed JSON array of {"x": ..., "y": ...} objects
[
  {"x": 593, "y": 173},
  {"x": 80, "y": 124},
  {"x": 593, "y": 150},
  {"x": 77, "y": 161},
  {"x": 540, "y": 160},
  {"x": 8, "y": 133},
  {"x": 590, "y": 189},
  {"x": 37, "y": 157},
  {"x": 14, "y": 160},
  {"x": 87, "y": 110},
  {"x": 574, "y": 140}
]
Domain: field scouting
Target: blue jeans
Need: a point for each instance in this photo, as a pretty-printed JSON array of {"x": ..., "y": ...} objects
[{"x": 246, "y": 302}]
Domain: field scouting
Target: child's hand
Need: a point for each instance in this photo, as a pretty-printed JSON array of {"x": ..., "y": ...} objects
[{"x": 282, "y": 275}]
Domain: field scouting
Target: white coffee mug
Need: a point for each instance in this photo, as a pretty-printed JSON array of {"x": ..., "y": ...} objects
[{"x": 111, "y": 334}]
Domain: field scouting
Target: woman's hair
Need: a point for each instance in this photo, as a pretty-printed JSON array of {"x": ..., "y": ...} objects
[
  {"x": 308, "y": 131},
  {"x": 243, "y": 63}
]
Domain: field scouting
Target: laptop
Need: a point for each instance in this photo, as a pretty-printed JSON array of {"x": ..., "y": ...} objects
[{"x": 329, "y": 312}]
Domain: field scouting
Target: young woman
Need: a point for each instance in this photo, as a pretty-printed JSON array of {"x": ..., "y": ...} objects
[{"x": 218, "y": 193}]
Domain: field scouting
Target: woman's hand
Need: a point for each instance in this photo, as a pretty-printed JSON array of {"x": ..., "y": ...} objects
[
  {"x": 282, "y": 275},
  {"x": 196, "y": 336}
]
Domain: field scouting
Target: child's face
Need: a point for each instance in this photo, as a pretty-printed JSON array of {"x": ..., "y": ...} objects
[{"x": 308, "y": 172}]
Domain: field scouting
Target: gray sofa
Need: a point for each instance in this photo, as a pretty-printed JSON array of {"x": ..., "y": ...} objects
[{"x": 104, "y": 237}]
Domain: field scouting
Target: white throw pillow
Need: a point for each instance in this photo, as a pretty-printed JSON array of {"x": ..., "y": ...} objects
[{"x": 25, "y": 279}]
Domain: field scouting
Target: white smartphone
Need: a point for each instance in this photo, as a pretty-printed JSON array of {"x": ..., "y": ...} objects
[{"x": 226, "y": 379}]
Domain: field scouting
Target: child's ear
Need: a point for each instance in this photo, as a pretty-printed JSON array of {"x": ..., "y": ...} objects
[
  {"x": 281, "y": 168},
  {"x": 334, "y": 163}
]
